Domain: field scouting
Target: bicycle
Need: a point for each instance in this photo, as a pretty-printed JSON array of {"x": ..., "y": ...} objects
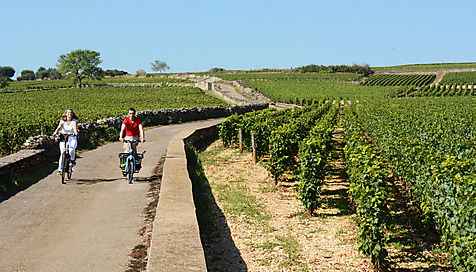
[
  {"x": 66, "y": 168},
  {"x": 130, "y": 163}
]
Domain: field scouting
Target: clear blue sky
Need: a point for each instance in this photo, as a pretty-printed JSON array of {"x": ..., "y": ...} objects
[{"x": 199, "y": 35}]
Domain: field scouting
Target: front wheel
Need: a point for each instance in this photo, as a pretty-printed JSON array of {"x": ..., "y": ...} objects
[
  {"x": 64, "y": 168},
  {"x": 130, "y": 171},
  {"x": 70, "y": 170}
]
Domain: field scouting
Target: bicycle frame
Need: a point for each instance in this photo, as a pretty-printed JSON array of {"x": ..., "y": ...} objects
[
  {"x": 130, "y": 162},
  {"x": 131, "y": 158},
  {"x": 65, "y": 168}
]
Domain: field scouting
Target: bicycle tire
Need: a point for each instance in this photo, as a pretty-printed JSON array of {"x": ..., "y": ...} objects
[
  {"x": 70, "y": 169},
  {"x": 63, "y": 169},
  {"x": 130, "y": 172}
]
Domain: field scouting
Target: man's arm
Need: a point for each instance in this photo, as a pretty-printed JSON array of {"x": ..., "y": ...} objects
[
  {"x": 141, "y": 132},
  {"x": 121, "y": 138}
]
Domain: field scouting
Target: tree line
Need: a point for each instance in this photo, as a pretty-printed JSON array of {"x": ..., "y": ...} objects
[
  {"x": 77, "y": 65},
  {"x": 313, "y": 68}
]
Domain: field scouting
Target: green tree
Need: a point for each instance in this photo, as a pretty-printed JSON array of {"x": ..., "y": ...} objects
[
  {"x": 7, "y": 71},
  {"x": 42, "y": 73},
  {"x": 80, "y": 64},
  {"x": 159, "y": 66},
  {"x": 26, "y": 75}
]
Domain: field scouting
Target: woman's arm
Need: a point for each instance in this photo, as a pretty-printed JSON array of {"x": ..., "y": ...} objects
[
  {"x": 60, "y": 126},
  {"x": 75, "y": 128}
]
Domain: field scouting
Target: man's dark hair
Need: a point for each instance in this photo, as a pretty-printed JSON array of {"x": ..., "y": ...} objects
[{"x": 132, "y": 109}]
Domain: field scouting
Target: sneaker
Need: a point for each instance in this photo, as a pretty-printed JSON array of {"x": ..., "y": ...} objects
[
  {"x": 73, "y": 163},
  {"x": 60, "y": 173}
]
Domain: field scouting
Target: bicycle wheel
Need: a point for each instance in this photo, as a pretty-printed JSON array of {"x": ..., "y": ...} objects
[
  {"x": 130, "y": 171},
  {"x": 64, "y": 168},
  {"x": 70, "y": 169}
]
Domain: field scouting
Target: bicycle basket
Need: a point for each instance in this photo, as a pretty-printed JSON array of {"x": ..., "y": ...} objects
[{"x": 123, "y": 159}]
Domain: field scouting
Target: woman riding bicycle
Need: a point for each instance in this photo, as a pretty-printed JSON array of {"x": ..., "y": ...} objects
[
  {"x": 132, "y": 126},
  {"x": 68, "y": 125}
]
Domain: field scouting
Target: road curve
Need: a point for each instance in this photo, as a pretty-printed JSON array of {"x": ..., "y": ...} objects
[{"x": 89, "y": 224}]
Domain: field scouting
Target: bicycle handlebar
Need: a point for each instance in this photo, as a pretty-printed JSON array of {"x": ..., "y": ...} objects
[{"x": 131, "y": 141}]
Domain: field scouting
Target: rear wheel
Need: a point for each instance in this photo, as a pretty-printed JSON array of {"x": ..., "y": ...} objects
[{"x": 130, "y": 171}]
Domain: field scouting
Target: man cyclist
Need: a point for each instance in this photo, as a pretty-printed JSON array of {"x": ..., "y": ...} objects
[{"x": 132, "y": 126}]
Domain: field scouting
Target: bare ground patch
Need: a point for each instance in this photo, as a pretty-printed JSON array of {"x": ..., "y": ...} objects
[{"x": 270, "y": 229}]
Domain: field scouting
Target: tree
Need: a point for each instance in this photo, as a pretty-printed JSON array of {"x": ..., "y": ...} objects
[
  {"x": 42, "y": 73},
  {"x": 80, "y": 64},
  {"x": 54, "y": 74},
  {"x": 159, "y": 66},
  {"x": 114, "y": 73},
  {"x": 7, "y": 71},
  {"x": 141, "y": 72},
  {"x": 26, "y": 75},
  {"x": 217, "y": 70}
]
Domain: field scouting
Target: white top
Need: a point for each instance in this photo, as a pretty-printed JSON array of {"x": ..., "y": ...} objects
[{"x": 68, "y": 129}]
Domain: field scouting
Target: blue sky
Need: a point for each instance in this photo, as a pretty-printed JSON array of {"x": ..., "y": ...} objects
[{"x": 199, "y": 35}]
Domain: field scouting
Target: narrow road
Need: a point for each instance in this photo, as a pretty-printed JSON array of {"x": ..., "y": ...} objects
[{"x": 88, "y": 224}]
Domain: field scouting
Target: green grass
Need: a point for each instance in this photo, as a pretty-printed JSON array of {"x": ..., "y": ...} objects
[
  {"x": 290, "y": 246},
  {"x": 236, "y": 200}
]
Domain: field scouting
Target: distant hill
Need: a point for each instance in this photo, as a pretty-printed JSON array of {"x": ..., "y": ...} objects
[{"x": 427, "y": 67}]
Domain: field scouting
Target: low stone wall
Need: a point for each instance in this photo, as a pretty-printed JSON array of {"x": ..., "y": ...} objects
[
  {"x": 176, "y": 243},
  {"x": 15, "y": 163}
]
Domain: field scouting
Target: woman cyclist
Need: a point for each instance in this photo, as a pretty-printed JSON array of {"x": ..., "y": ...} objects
[{"x": 68, "y": 125}]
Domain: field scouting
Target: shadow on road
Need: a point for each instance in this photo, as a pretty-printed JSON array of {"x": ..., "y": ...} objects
[
  {"x": 80, "y": 181},
  {"x": 15, "y": 182},
  {"x": 221, "y": 253}
]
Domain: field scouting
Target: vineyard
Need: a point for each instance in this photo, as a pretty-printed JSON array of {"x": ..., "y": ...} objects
[
  {"x": 427, "y": 143},
  {"x": 459, "y": 78},
  {"x": 27, "y": 114},
  {"x": 399, "y": 80},
  {"x": 419, "y": 143},
  {"x": 427, "y": 67},
  {"x": 430, "y": 144},
  {"x": 68, "y": 83},
  {"x": 291, "y": 76},
  {"x": 291, "y": 91},
  {"x": 441, "y": 90}
]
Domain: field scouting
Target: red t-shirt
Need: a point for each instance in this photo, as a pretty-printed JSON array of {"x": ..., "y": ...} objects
[{"x": 132, "y": 129}]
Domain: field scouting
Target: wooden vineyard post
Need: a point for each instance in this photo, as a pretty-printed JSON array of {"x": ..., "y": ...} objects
[
  {"x": 254, "y": 147},
  {"x": 240, "y": 133}
]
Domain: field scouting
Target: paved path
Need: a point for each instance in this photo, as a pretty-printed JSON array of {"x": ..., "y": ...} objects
[{"x": 89, "y": 224}]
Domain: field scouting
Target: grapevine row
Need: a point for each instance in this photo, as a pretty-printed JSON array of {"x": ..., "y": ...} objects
[
  {"x": 295, "y": 142},
  {"x": 430, "y": 144},
  {"x": 399, "y": 80},
  {"x": 368, "y": 191}
]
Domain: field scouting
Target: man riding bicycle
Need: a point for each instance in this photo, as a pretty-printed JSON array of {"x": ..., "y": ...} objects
[{"x": 132, "y": 126}]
